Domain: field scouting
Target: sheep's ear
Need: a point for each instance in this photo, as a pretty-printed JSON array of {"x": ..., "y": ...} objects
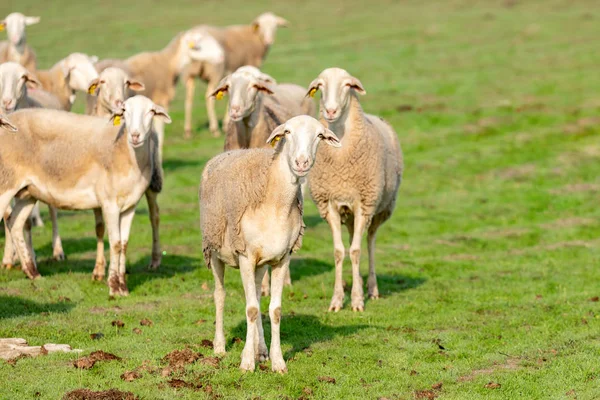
[
  {"x": 31, "y": 20},
  {"x": 330, "y": 138},
  {"x": 65, "y": 69},
  {"x": 276, "y": 135},
  {"x": 31, "y": 80},
  {"x": 313, "y": 88},
  {"x": 6, "y": 124},
  {"x": 263, "y": 87},
  {"x": 161, "y": 113},
  {"x": 267, "y": 78},
  {"x": 255, "y": 27},
  {"x": 355, "y": 84},
  {"x": 2, "y": 25},
  {"x": 94, "y": 87},
  {"x": 282, "y": 22},
  {"x": 94, "y": 59},
  {"x": 135, "y": 85},
  {"x": 222, "y": 88}
]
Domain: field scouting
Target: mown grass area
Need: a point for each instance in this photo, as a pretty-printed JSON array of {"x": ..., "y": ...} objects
[{"x": 488, "y": 267}]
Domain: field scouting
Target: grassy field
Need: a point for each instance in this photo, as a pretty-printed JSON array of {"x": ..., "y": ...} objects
[{"x": 488, "y": 267}]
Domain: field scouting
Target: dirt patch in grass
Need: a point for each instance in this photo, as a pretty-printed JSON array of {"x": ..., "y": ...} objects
[
  {"x": 511, "y": 364},
  {"x": 519, "y": 173},
  {"x": 110, "y": 394},
  {"x": 89, "y": 361},
  {"x": 568, "y": 223},
  {"x": 577, "y": 188},
  {"x": 426, "y": 394},
  {"x": 130, "y": 376},
  {"x": 178, "y": 359},
  {"x": 461, "y": 257}
]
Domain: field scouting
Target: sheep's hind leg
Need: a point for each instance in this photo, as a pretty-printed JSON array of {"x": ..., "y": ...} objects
[
  {"x": 154, "y": 214},
  {"x": 260, "y": 347},
  {"x": 100, "y": 267},
  {"x": 360, "y": 224},
  {"x": 16, "y": 224},
  {"x": 333, "y": 218},
  {"x": 247, "y": 272},
  {"x": 278, "y": 273},
  {"x": 57, "y": 249},
  {"x": 218, "y": 269},
  {"x": 10, "y": 257}
]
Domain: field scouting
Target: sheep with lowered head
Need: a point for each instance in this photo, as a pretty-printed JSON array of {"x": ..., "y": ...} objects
[
  {"x": 356, "y": 185},
  {"x": 16, "y": 48},
  {"x": 84, "y": 163},
  {"x": 243, "y": 45},
  {"x": 263, "y": 226}
]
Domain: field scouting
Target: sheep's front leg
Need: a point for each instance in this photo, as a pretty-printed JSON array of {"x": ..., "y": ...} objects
[
  {"x": 36, "y": 217},
  {"x": 218, "y": 269},
  {"x": 100, "y": 267},
  {"x": 57, "y": 249},
  {"x": 360, "y": 224},
  {"x": 278, "y": 274},
  {"x": 154, "y": 214},
  {"x": 190, "y": 86},
  {"x": 213, "y": 123},
  {"x": 111, "y": 216},
  {"x": 125, "y": 226},
  {"x": 16, "y": 223},
  {"x": 247, "y": 270},
  {"x": 334, "y": 220},
  {"x": 10, "y": 253},
  {"x": 260, "y": 347}
]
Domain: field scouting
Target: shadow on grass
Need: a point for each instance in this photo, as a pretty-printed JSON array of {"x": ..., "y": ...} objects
[
  {"x": 304, "y": 267},
  {"x": 301, "y": 331},
  {"x": 12, "y": 306},
  {"x": 175, "y": 164},
  {"x": 312, "y": 220}
]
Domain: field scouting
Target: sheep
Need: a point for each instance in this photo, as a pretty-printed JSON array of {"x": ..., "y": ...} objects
[
  {"x": 263, "y": 226},
  {"x": 85, "y": 163},
  {"x": 357, "y": 185},
  {"x": 159, "y": 71},
  {"x": 243, "y": 45},
  {"x": 16, "y": 48},
  {"x": 68, "y": 76}
]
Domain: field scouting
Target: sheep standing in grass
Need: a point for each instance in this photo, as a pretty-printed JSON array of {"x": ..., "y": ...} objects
[
  {"x": 84, "y": 163},
  {"x": 358, "y": 184},
  {"x": 243, "y": 45},
  {"x": 261, "y": 227},
  {"x": 16, "y": 48}
]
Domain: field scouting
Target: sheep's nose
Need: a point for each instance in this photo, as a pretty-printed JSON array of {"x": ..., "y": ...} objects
[
  {"x": 236, "y": 108},
  {"x": 302, "y": 163},
  {"x": 6, "y": 103},
  {"x": 135, "y": 137},
  {"x": 118, "y": 103},
  {"x": 330, "y": 111}
]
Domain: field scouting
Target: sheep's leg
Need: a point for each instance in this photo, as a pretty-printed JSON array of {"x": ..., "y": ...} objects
[
  {"x": 190, "y": 86},
  {"x": 333, "y": 218},
  {"x": 372, "y": 280},
  {"x": 360, "y": 224},
  {"x": 36, "y": 217},
  {"x": 260, "y": 347},
  {"x": 16, "y": 223},
  {"x": 213, "y": 123},
  {"x": 57, "y": 249},
  {"x": 125, "y": 226},
  {"x": 10, "y": 253},
  {"x": 100, "y": 267},
  {"x": 154, "y": 214},
  {"x": 264, "y": 287},
  {"x": 288, "y": 278},
  {"x": 252, "y": 311},
  {"x": 111, "y": 217},
  {"x": 218, "y": 269},
  {"x": 278, "y": 274}
]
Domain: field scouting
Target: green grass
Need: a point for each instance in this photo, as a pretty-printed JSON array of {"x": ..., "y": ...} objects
[{"x": 492, "y": 252}]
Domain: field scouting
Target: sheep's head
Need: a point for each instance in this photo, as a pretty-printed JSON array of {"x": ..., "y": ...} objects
[
  {"x": 112, "y": 86},
  {"x": 13, "y": 85},
  {"x": 243, "y": 88},
  {"x": 138, "y": 112},
  {"x": 15, "y": 24},
  {"x": 336, "y": 86},
  {"x": 298, "y": 140},
  {"x": 198, "y": 45},
  {"x": 266, "y": 26},
  {"x": 78, "y": 70},
  {"x": 6, "y": 124}
]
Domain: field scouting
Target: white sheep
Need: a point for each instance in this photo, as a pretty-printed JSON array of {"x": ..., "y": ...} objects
[
  {"x": 262, "y": 227},
  {"x": 85, "y": 163},
  {"x": 358, "y": 184},
  {"x": 243, "y": 45},
  {"x": 16, "y": 48}
]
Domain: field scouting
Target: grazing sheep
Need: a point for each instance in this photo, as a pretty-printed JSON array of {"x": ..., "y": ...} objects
[
  {"x": 106, "y": 167},
  {"x": 70, "y": 75},
  {"x": 263, "y": 226},
  {"x": 358, "y": 184},
  {"x": 243, "y": 45},
  {"x": 16, "y": 48}
]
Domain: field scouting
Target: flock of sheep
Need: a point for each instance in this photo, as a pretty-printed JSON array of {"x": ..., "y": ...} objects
[{"x": 251, "y": 196}]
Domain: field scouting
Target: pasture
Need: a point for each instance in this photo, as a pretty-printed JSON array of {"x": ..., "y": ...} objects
[{"x": 488, "y": 269}]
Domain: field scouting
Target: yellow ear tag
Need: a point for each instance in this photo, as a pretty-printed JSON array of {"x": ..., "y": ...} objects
[
  {"x": 92, "y": 89},
  {"x": 312, "y": 92},
  {"x": 256, "y": 27},
  {"x": 191, "y": 44},
  {"x": 275, "y": 140},
  {"x": 117, "y": 120},
  {"x": 1, "y": 27},
  {"x": 219, "y": 95}
]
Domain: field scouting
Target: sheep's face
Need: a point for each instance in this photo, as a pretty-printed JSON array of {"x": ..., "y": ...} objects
[
  {"x": 243, "y": 88},
  {"x": 15, "y": 24},
  {"x": 266, "y": 26},
  {"x": 336, "y": 85},
  {"x": 112, "y": 87},
  {"x": 299, "y": 139},
  {"x": 78, "y": 70},
  {"x": 138, "y": 112},
  {"x": 13, "y": 80},
  {"x": 200, "y": 46}
]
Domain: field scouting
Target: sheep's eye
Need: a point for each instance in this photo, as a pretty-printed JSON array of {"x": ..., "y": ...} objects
[
  {"x": 102, "y": 81},
  {"x": 286, "y": 132}
]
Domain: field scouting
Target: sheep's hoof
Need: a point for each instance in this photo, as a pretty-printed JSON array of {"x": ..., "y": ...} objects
[
  {"x": 215, "y": 133},
  {"x": 97, "y": 277},
  {"x": 247, "y": 366},
  {"x": 373, "y": 296},
  {"x": 59, "y": 256},
  {"x": 187, "y": 134},
  {"x": 358, "y": 308},
  {"x": 8, "y": 266},
  {"x": 219, "y": 349},
  {"x": 279, "y": 367},
  {"x": 337, "y": 302},
  {"x": 153, "y": 266}
]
